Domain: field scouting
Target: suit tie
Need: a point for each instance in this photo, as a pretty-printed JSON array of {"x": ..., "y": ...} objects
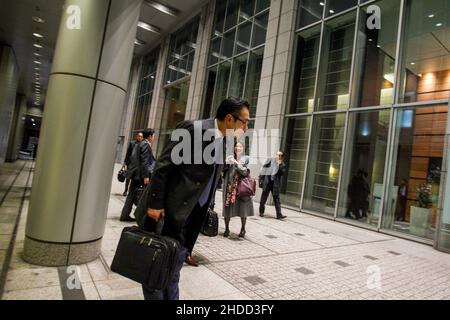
[{"x": 212, "y": 181}]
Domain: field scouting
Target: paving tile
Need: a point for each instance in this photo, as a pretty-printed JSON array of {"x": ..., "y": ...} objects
[
  {"x": 47, "y": 293},
  {"x": 304, "y": 271},
  {"x": 31, "y": 278},
  {"x": 254, "y": 280},
  {"x": 342, "y": 263}
]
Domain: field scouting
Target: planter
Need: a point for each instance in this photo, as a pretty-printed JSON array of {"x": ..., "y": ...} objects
[{"x": 420, "y": 221}]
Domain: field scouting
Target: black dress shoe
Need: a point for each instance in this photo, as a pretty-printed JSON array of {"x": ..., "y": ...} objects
[
  {"x": 226, "y": 234},
  {"x": 127, "y": 219},
  {"x": 242, "y": 234},
  {"x": 191, "y": 261},
  {"x": 281, "y": 217},
  {"x": 261, "y": 215}
]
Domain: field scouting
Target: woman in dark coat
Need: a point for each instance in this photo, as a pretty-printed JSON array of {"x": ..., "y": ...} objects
[{"x": 233, "y": 204}]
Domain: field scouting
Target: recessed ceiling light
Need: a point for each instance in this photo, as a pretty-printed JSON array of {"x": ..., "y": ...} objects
[
  {"x": 431, "y": 16},
  {"x": 321, "y": 3},
  {"x": 37, "y": 35},
  {"x": 148, "y": 27},
  {"x": 37, "y": 54},
  {"x": 37, "y": 45},
  {"x": 370, "y": 40},
  {"x": 37, "y": 62},
  {"x": 160, "y": 7},
  {"x": 38, "y": 20},
  {"x": 439, "y": 24},
  {"x": 413, "y": 63},
  {"x": 331, "y": 11},
  {"x": 378, "y": 46}
]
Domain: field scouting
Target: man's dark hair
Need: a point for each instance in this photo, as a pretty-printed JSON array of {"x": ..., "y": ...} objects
[
  {"x": 232, "y": 106},
  {"x": 148, "y": 133}
]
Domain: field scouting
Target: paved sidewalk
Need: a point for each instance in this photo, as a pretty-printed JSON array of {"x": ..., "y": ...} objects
[{"x": 303, "y": 257}]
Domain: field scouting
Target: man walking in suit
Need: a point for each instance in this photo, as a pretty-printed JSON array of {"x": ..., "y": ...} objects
[
  {"x": 138, "y": 138},
  {"x": 271, "y": 174},
  {"x": 142, "y": 162},
  {"x": 181, "y": 193}
]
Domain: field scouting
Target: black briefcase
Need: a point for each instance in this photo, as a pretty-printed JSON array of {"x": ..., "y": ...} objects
[
  {"x": 146, "y": 257},
  {"x": 211, "y": 225},
  {"x": 121, "y": 176}
]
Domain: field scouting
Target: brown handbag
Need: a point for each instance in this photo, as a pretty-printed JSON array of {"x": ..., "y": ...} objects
[{"x": 247, "y": 187}]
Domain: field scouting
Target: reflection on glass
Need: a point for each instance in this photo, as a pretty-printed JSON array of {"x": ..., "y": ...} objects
[
  {"x": 243, "y": 38},
  {"x": 228, "y": 43},
  {"x": 310, "y": 11},
  {"x": 296, "y": 148},
  {"x": 324, "y": 163},
  {"x": 375, "y": 57},
  {"x": 419, "y": 151},
  {"x": 306, "y": 70},
  {"x": 215, "y": 56},
  {"x": 238, "y": 76},
  {"x": 219, "y": 18},
  {"x": 362, "y": 182},
  {"x": 426, "y": 67},
  {"x": 223, "y": 79},
  {"x": 232, "y": 14},
  {"x": 181, "y": 51},
  {"x": 260, "y": 29},
  {"x": 247, "y": 9},
  {"x": 262, "y": 5},
  {"x": 210, "y": 85},
  {"x": 253, "y": 79},
  {"x": 175, "y": 105},
  {"x": 336, "y": 6},
  {"x": 336, "y": 63}
]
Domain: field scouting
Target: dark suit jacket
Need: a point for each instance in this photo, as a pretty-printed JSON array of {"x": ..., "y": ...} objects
[
  {"x": 276, "y": 178},
  {"x": 131, "y": 146},
  {"x": 177, "y": 188},
  {"x": 142, "y": 162}
]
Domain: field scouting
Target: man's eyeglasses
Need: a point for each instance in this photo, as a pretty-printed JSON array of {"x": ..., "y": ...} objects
[{"x": 244, "y": 122}]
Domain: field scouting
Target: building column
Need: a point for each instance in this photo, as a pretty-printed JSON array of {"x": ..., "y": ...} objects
[
  {"x": 443, "y": 230},
  {"x": 87, "y": 88},
  {"x": 276, "y": 72},
  {"x": 9, "y": 80},
  {"x": 17, "y": 129}
]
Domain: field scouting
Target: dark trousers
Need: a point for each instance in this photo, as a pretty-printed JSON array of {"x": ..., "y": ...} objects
[
  {"x": 172, "y": 292},
  {"x": 276, "y": 200},
  {"x": 127, "y": 185},
  {"x": 128, "y": 206},
  {"x": 193, "y": 227}
]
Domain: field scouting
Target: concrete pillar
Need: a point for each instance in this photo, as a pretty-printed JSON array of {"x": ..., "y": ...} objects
[
  {"x": 17, "y": 129},
  {"x": 443, "y": 230},
  {"x": 9, "y": 78},
  {"x": 130, "y": 105},
  {"x": 87, "y": 88},
  {"x": 276, "y": 70}
]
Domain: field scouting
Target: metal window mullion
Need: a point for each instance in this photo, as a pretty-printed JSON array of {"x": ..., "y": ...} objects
[
  {"x": 246, "y": 75},
  {"x": 343, "y": 154},
  {"x": 399, "y": 57},
  {"x": 342, "y": 13},
  {"x": 308, "y": 150},
  {"x": 215, "y": 89},
  {"x": 387, "y": 179},
  {"x": 422, "y": 103},
  {"x": 319, "y": 58},
  {"x": 351, "y": 88}
]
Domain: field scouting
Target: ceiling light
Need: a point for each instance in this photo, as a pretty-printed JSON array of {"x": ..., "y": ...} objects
[
  {"x": 160, "y": 7},
  {"x": 139, "y": 42},
  {"x": 37, "y": 54},
  {"x": 439, "y": 24},
  {"x": 370, "y": 40},
  {"x": 37, "y": 62},
  {"x": 413, "y": 63},
  {"x": 331, "y": 11},
  {"x": 37, "y": 35},
  {"x": 37, "y": 45},
  {"x": 38, "y": 20},
  {"x": 431, "y": 16},
  {"x": 321, "y": 3},
  {"x": 148, "y": 27}
]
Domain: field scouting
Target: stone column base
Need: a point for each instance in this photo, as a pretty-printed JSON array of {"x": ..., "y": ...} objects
[{"x": 58, "y": 255}]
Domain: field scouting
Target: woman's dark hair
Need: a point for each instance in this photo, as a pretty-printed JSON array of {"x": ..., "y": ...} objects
[{"x": 232, "y": 106}]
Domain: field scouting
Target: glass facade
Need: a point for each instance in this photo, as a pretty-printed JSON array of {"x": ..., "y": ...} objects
[
  {"x": 365, "y": 131},
  {"x": 236, "y": 52},
  {"x": 181, "y": 52},
  {"x": 145, "y": 92}
]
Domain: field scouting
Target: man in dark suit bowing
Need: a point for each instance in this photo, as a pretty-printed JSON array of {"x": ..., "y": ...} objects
[{"x": 183, "y": 183}]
